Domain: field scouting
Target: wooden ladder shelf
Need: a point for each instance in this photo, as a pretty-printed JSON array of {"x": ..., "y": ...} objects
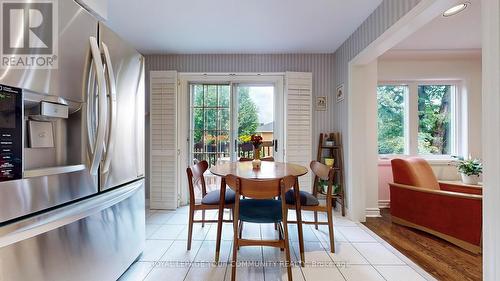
[{"x": 336, "y": 152}]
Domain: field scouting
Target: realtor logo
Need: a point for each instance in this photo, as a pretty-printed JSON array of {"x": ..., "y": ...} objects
[{"x": 28, "y": 34}]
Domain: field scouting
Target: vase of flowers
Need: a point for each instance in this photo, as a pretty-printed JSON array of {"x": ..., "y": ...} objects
[
  {"x": 470, "y": 170},
  {"x": 257, "y": 144}
]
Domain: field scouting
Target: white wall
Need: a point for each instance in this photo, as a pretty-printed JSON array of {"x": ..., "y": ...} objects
[
  {"x": 467, "y": 70},
  {"x": 490, "y": 14},
  {"x": 362, "y": 125}
]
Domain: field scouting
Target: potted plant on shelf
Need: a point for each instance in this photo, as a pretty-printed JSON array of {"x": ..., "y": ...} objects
[
  {"x": 256, "y": 141},
  {"x": 470, "y": 170},
  {"x": 323, "y": 187}
]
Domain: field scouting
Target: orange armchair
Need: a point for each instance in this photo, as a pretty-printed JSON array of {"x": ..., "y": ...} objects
[{"x": 419, "y": 200}]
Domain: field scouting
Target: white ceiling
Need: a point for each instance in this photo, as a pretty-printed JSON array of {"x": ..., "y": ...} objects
[
  {"x": 461, "y": 31},
  {"x": 232, "y": 26}
]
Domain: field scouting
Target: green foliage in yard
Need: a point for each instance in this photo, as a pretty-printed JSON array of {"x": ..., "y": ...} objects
[
  {"x": 391, "y": 111},
  {"x": 211, "y": 112},
  {"x": 248, "y": 118},
  {"x": 433, "y": 119}
]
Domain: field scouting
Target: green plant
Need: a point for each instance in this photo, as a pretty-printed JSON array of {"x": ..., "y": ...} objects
[
  {"x": 323, "y": 185},
  {"x": 470, "y": 167},
  {"x": 245, "y": 138}
]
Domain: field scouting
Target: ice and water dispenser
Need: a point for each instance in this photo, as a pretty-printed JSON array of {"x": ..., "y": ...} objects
[{"x": 39, "y": 134}]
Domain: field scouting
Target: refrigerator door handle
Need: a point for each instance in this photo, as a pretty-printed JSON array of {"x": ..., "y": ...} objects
[
  {"x": 102, "y": 108},
  {"x": 111, "y": 84}
]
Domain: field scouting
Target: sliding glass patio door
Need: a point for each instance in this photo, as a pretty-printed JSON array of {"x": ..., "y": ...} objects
[
  {"x": 224, "y": 116},
  {"x": 210, "y": 122},
  {"x": 255, "y": 114}
]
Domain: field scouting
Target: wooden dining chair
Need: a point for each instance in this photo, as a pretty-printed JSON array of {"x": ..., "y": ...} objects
[
  {"x": 310, "y": 202},
  {"x": 244, "y": 159},
  {"x": 260, "y": 207},
  {"x": 209, "y": 201}
]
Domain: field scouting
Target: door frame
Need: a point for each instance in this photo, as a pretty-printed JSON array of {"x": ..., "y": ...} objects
[
  {"x": 363, "y": 199},
  {"x": 184, "y": 118}
]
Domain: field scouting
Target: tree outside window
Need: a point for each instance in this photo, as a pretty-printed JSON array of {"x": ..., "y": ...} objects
[
  {"x": 391, "y": 119},
  {"x": 401, "y": 108},
  {"x": 434, "y": 115}
]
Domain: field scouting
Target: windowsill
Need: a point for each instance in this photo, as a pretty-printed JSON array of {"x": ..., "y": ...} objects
[{"x": 443, "y": 161}]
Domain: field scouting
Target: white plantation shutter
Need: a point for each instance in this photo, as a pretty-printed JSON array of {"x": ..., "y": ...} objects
[
  {"x": 163, "y": 137},
  {"x": 298, "y": 120}
]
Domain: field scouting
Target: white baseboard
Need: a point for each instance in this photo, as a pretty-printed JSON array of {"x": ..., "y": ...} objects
[
  {"x": 372, "y": 212},
  {"x": 384, "y": 204}
]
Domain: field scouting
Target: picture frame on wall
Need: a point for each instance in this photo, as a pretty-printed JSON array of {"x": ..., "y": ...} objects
[
  {"x": 321, "y": 103},
  {"x": 339, "y": 93}
]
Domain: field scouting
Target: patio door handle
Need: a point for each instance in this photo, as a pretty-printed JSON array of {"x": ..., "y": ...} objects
[{"x": 275, "y": 145}]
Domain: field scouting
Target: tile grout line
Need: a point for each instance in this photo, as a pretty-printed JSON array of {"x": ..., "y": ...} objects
[
  {"x": 378, "y": 240},
  {"x": 328, "y": 253},
  {"x": 400, "y": 255},
  {"x": 376, "y": 269},
  {"x": 151, "y": 269}
]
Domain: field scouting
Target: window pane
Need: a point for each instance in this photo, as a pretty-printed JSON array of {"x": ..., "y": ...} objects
[
  {"x": 197, "y": 95},
  {"x": 434, "y": 115},
  {"x": 198, "y": 119},
  {"x": 211, "y": 95},
  {"x": 224, "y": 96},
  {"x": 391, "y": 119},
  {"x": 224, "y": 119},
  {"x": 211, "y": 119},
  {"x": 211, "y": 122}
]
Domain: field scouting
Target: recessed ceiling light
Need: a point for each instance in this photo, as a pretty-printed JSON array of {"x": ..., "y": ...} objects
[{"x": 455, "y": 9}]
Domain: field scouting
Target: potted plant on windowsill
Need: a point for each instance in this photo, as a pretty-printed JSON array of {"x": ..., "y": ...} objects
[{"x": 470, "y": 170}]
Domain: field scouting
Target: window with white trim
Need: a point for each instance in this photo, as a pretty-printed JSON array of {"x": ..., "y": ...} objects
[{"x": 419, "y": 118}]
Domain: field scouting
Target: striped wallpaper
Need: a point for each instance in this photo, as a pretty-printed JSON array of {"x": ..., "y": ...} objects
[
  {"x": 386, "y": 14},
  {"x": 329, "y": 70},
  {"x": 321, "y": 66},
  {"x": 379, "y": 21}
]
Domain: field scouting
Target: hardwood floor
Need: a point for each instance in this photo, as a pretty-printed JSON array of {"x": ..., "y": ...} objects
[{"x": 440, "y": 258}]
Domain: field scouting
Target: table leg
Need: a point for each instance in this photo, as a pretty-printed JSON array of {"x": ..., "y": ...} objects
[
  {"x": 220, "y": 219},
  {"x": 299, "y": 221}
]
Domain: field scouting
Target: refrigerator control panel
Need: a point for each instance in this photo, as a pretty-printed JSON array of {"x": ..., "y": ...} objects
[{"x": 11, "y": 119}]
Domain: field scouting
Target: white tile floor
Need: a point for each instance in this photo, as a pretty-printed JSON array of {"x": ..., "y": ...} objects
[{"x": 360, "y": 255}]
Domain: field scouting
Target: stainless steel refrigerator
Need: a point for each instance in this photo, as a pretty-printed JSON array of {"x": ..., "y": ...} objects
[{"x": 72, "y": 203}]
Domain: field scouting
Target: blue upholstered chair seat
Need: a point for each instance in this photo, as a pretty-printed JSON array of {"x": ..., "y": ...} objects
[
  {"x": 260, "y": 210},
  {"x": 306, "y": 198},
  {"x": 212, "y": 197}
]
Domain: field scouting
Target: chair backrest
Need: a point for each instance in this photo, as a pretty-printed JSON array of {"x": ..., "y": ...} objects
[
  {"x": 268, "y": 158},
  {"x": 195, "y": 175},
  {"x": 259, "y": 189},
  {"x": 322, "y": 171},
  {"x": 414, "y": 171}
]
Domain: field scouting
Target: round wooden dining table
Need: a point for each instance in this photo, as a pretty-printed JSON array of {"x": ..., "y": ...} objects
[{"x": 269, "y": 170}]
